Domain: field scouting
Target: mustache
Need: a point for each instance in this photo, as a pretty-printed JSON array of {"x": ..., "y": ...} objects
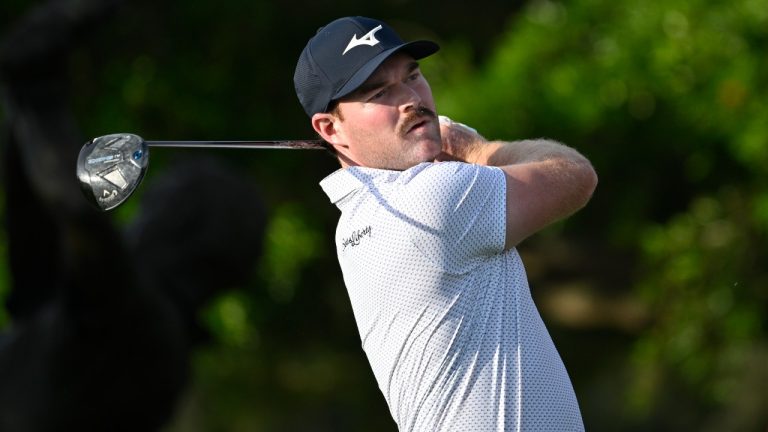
[{"x": 414, "y": 117}]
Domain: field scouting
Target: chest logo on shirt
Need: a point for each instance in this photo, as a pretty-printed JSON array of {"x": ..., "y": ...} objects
[{"x": 356, "y": 237}]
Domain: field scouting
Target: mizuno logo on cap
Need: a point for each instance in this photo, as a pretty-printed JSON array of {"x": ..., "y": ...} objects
[{"x": 369, "y": 39}]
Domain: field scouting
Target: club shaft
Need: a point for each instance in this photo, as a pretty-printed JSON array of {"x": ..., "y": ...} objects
[{"x": 286, "y": 144}]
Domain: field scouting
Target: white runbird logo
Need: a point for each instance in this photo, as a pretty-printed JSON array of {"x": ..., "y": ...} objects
[{"x": 369, "y": 39}]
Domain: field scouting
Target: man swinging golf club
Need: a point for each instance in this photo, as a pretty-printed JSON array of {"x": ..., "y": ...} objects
[{"x": 431, "y": 213}]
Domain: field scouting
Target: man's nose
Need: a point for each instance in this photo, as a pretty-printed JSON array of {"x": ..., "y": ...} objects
[{"x": 409, "y": 98}]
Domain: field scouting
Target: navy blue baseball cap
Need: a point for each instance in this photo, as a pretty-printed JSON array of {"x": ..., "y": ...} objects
[{"x": 343, "y": 54}]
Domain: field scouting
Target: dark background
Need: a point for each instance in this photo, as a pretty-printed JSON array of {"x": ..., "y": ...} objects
[{"x": 656, "y": 294}]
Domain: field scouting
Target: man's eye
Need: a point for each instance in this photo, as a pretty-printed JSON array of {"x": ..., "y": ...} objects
[
  {"x": 413, "y": 77},
  {"x": 378, "y": 94}
]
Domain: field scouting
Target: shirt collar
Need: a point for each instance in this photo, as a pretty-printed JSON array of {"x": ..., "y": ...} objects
[{"x": 344, "y": 181}]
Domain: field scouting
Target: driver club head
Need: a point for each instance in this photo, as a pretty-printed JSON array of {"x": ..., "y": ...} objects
[{"x": 110, "y": 168}]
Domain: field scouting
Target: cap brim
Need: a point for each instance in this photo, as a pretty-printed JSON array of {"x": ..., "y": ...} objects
[{"x": 417, "y": 49}]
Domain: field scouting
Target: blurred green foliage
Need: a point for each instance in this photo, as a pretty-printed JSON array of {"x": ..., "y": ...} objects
[
  {"x": 291, "y": 244},
  {"x": 667, "y": 98}
]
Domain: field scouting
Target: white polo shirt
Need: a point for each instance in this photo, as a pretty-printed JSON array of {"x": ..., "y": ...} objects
[{"x": 444, "y": 313}]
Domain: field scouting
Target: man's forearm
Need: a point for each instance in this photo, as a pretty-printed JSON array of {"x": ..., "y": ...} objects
[
  {"x": 501, "y": 153},
  {"x": 463, "y": 143}
]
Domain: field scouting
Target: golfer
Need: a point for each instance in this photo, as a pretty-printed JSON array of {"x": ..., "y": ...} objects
[{"x": 431, "y": 213}]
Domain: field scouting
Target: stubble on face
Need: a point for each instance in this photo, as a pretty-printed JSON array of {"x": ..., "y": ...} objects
[
  {"x": 420, "y": 143},
  {"x": 404, "y": 148}
]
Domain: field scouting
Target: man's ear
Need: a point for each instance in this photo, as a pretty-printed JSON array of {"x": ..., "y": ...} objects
[
  {"x": 330, "y": 128},
  {"x": 326, "y": 125}
]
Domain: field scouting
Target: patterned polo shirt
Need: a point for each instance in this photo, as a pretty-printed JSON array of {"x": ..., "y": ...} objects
[{"x": 444, "y": 313}]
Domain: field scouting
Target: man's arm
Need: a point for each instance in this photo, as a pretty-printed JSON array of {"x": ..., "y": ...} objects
[{"x": 546, "y": 181}]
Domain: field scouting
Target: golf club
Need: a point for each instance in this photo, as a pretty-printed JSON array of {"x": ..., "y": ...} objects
[{"x": 111, "y": 167}]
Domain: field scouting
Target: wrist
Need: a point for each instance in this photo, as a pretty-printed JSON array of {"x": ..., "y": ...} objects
[{"x": 461, "y": 143}]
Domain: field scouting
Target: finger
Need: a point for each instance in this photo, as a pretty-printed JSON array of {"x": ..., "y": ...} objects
[{"x": 447, "y": 122}]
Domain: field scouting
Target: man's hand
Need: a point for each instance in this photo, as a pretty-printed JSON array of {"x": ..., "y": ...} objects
[{"x": 460, "y": 142}]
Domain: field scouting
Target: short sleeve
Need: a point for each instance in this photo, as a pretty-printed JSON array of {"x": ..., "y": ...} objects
[{"x": 458, "y": 213}]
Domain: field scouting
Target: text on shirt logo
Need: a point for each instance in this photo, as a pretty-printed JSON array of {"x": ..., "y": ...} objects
[{"x": 356, "y": 236}]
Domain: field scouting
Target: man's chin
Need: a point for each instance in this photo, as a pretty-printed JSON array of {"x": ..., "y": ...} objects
[
  {"x": 431, "y": 154},
  {"x": 428, "y": 140}
]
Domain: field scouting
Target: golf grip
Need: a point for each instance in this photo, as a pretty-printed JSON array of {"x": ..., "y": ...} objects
[{"x": 285, "y": 144}]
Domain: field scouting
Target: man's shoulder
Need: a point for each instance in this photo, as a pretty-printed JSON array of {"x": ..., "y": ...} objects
[
  {"x": 427, "y": 178},
  {"x": 429, "y": 183},
  {"x": 428, "y": 171},
  {"x": 439, "y": 168},
  {"x": 442, "y": 177}
]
